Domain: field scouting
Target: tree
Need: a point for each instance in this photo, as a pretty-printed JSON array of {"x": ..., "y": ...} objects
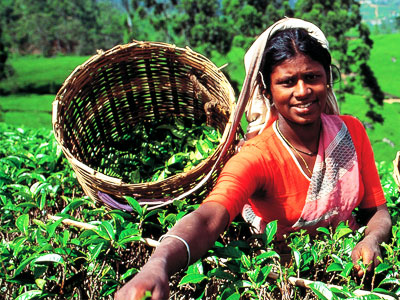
[
  {"x": 69, "y": 26},
  {"x": 5, "y": 69}
]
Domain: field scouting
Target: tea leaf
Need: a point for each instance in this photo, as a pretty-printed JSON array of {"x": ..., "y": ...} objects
[
  {"x": 135, "y": 205},
  {"x": 22, "y": 224},
  {"x": 235, "y": 296},
  {"x": 270, "y": 231},
  {"x": 334, "y": 267},
  {"x": 321, "y": 290},
  {"x": 342, "y": 232},
  {"x": 51, "y": 257},
  {"x": 29, "y": 295},
  {"x": 382, "y": 267},
  {"x": 347, "y": 269},
  {"x": 324, "y": 230},
  {"x": 192, "y": 278}
]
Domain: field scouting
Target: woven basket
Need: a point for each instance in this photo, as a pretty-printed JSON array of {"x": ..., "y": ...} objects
[
  {"x": 396, "y": 170},
  {"x": 106, "y": 96}
]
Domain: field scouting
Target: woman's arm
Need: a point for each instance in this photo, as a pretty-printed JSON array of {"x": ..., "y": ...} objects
[
  {"x": 200, "y": 229},
  {"x": 378, "y": 230}
]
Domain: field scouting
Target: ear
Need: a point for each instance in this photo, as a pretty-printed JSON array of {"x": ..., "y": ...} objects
[{"x": 266, "y": 94}]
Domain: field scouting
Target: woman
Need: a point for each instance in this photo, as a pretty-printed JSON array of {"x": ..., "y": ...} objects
[{"x": 306, "y": 166}]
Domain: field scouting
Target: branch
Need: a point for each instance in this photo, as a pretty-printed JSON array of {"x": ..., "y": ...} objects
[{"x": 82, "y": 225}]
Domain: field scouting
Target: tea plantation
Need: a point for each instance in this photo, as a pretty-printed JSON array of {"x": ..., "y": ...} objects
[
  {"x": 44, "y": 258},
  {"x": 56, "y": 243}
]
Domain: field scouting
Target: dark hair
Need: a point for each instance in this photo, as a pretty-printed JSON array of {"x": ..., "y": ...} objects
[{"x": 288, "y": 43}]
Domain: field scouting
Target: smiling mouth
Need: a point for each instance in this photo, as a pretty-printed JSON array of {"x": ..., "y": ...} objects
[{"x": 306, "y": 105}]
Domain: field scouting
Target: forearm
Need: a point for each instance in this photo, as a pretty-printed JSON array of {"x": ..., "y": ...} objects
[
  {"x": 379, "y": 225},
  {"x": 200, "y": 229}
]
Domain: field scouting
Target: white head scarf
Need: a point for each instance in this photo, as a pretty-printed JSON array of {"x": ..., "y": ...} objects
[{"x": 259, "y": 112}]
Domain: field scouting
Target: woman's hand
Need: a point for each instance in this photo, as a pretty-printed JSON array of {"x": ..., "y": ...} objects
[
  {"x": 379, "y": 225},
  {"x": 368, "y": 251},
  {"x": 152, "y": 278},
  {"x": 199, "y": 229}
]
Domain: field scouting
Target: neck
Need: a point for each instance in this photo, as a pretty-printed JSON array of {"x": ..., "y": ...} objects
[{"x": 304, "y": 137}]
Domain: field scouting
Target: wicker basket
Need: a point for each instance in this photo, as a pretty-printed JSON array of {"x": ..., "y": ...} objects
[
  {"x": 396, "y": 170},
  {"x": 111, "y": 92}
]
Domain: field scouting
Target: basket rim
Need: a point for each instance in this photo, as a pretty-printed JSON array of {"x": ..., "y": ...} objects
[
  {"x": 396, "y": 169},
  {"x": 114, "y": 50}
]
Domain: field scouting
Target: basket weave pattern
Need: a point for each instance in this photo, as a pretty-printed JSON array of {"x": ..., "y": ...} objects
[{"x": 106, "y": 96}]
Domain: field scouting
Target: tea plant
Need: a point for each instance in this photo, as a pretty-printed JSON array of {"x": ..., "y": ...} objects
[
  {"x": 41, "y": 257},
  {"x": 177, "y": 145}
]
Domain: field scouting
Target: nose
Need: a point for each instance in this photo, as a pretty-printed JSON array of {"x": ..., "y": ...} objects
[{"x": 301, "y": 89}]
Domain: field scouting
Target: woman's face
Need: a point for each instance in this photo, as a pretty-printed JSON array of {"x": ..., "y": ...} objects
[{"x": 299, "y": 89}]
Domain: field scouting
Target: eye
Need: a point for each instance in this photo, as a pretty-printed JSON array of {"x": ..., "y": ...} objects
[
  {"x": 312, "y": 77},
  {"x": 289, "y": 81}
]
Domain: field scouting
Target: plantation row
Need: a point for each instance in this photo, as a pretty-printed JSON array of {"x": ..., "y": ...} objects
[{"x": 43, "y": 258}]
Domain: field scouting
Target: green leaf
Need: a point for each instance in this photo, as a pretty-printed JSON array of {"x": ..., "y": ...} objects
[
  {"x": 297, "y": 257},
  {"x": 321, "y": 290},
  {"x": 382, "y": 268},
  {"x": 246, "y": 261},
  {"x": 220, "y": 274},
  {"x": 129, "y": 273},
  {"x": 29, "y": 295},
  {"x": 347, "y": 269},
  {"x": 135, "y": 205},
  {"x": 40, "y": 283},
  {"x": 342, "y": 232},
  {"x": 74, "y": 204},
  {"x": 266, "y": 255},
  {"x": 52, "y": 227},
  {"x": 270, "y": 231},
  {"x": 49, "y": 258},
  {"x": 192, "y": 278},
  {"x": 108, "y": 228},
  {"x": 95, "y": 251},
  {"x": 324, "y": 230},
  {"x": 228, "y": 252},
  {"x": 334, "y": 267},
  {"x": 235, "y": 296},
  {"x": 390, "y": 281},
  {"x": 23, "y": 264},
  {"x": 385, "y": 292},
  {"x": 22, "y": 224}
]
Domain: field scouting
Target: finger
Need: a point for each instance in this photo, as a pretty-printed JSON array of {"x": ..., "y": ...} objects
[{"x": 360, "y": 273}]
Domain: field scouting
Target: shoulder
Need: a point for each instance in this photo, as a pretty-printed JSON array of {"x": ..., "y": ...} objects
[
  {"x": 355, "y": 127},
  {"x": 352, "y": 121},
  {"x": 263, "y": 140}
]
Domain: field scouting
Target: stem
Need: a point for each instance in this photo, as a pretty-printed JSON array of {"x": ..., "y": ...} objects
[{"x": 147, "y": 241}]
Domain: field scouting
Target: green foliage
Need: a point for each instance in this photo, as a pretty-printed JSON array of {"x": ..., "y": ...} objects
[
  {"x": 178, "y": 145},
  {"x": 385, "y": 61},
  {"x": 42, "y": 258},
  {"x": 51, "y": 27},
  {"x": 31, "y": 110},
  {"x": 37, "y": 74},
  {"x": 384, "y": 137}
]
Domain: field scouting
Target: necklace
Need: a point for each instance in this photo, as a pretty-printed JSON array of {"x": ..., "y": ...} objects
[{"x": 291, "y": 146}]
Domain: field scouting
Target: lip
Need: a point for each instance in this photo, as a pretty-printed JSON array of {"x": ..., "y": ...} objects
[{"x": 305, "y": 105}]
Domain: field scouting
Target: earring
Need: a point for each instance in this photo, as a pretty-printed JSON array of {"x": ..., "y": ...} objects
[{"x": 328, "y": 86}]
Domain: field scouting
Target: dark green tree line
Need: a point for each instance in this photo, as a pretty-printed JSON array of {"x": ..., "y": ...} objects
[{"x": 66, "y": 26}]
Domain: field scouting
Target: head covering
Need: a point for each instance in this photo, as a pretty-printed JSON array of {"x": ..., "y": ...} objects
[{"x": 259, "y": 112}]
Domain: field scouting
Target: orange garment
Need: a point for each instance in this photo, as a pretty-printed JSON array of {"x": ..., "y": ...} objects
[{"x": 265, "y": 175}]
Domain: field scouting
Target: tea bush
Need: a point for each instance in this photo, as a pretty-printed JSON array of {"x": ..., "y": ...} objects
[{"x": 43, "y": 258}]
